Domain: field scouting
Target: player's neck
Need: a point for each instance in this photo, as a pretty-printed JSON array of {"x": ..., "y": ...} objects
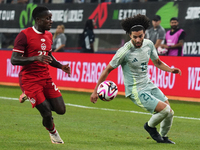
[{"x": 38, "y": 28}]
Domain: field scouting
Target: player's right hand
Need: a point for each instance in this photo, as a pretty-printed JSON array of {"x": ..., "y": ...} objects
[
  {"x": 94, "y": 97},
  {"x": 44, "y": 59}
]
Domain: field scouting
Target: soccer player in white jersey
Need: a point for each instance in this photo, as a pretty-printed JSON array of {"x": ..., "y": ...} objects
[{"x": 133, "y": 58}]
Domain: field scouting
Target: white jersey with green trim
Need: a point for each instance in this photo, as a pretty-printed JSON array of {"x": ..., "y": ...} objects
[{"x": 134, "y": 62}]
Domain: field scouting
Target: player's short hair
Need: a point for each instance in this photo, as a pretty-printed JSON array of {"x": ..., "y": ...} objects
[
  {"x": 174, "y": 18},
  {"x": 38, "y": 11},
  {"x": 136, "y": 23}
]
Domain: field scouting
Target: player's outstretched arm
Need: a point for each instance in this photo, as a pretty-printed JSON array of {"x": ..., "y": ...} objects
[
  {"x": 103, "y": 76},
  {"x": 19, "y": 59},
  {"x": 56, "y": 64},
  {"x": 161, "y": 65}
]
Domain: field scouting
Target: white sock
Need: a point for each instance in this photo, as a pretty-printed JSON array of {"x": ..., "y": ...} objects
[
  {"x": 158, "y": 117},
  {"x": 166, "y": 124}
]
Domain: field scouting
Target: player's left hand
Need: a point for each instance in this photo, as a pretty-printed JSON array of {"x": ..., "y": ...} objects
[
  {"x": 176, "y": 70},
  {"x": 94, "y": 97},
  {"x": 66, "y": 69}
]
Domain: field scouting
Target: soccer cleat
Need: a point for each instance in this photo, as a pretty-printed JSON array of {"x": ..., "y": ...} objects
[
  {"x": 153, "y": 133},
  {"x": 55, "y": 138},
  {"x": 22, "y": 98},
  {"x": 166, "y": 140}
]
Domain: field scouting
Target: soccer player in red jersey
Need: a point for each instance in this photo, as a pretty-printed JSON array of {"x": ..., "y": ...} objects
[{"x": 32, "y": 50}]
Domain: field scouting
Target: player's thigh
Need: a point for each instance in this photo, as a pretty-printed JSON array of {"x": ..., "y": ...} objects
[
  {"x": 58, "y": 105},
  {"x": 54, "y": 97},
  {"x": 145, "y": 101},
  {"x": 34, "y": 92},
  {"x": 45, "y": 109},
  {"x": 157, "y": 93}
]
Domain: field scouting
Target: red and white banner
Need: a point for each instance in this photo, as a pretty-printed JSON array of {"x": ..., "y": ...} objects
[{"x": 86, "y": 69}]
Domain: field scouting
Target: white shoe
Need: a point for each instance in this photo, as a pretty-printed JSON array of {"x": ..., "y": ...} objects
[{"x": 55, "y": 138}]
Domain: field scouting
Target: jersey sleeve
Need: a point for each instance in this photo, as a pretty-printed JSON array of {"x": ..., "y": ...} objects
[
  {"x": 20, "y": 43},
  {"x": 118, "y": 58}
]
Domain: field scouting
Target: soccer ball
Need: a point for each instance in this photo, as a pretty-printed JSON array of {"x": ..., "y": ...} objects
[
  {"x": 162, "y": 51},
  {"x": 107, "y": 90}
]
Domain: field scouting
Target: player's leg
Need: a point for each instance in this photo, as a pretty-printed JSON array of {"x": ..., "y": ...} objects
[
  {"x": 166, "y": 124},
  {"x": 58, "y": 105},
  {"x": 162, "y": 111},
  {"x": 149, "y": 103},
  {"x": 45, "y": 110}
]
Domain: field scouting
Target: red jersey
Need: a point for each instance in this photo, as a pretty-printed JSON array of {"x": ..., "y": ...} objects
[{"x": 31, "y": 42}]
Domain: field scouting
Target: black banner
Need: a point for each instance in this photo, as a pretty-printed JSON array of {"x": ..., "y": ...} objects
[{"x": 108, "y": 17}]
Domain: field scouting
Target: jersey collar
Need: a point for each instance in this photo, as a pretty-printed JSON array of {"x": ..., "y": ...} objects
[{"x": 38, "y": 32}]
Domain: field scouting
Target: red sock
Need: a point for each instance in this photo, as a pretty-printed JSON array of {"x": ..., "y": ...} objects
[{"x": 52, "y": 130}]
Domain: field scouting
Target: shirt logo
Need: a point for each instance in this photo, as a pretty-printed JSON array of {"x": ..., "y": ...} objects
[
  {"x": 43, "y": 40},
  {"x": 43, "y": 46},
  {"x": 32, "y": 100},
  {"x": 134, "y": 60}
]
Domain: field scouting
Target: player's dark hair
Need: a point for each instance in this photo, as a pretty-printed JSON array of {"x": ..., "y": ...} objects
[
  {"x": 37, "y": 12},
  {"x": 89, "y": 25},
  {"x": 173, "y": 18},
  {"x": 136, "y": 23}
]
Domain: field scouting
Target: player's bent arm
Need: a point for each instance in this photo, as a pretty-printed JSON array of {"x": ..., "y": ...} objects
[
  {"x": 19, "y": 59},
  {"x": 56, "y": 64},
  {"x": 161, "y": 65},
  {"x": 103, "y": 76}
]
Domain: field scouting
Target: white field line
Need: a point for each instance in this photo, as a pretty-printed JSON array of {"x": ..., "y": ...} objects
[{"x": 107, "y": 109}]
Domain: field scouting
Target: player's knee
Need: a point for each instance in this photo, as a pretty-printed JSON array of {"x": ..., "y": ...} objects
[
  {"x": 166, "y": 111},
  {"x": 171, "y": 114},
  {"x": 47, "y": 115},
  {"x": 61, "y": 110}
]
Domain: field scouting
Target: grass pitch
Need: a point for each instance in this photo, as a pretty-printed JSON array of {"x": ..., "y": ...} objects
[{"x": 87, "y": 126}]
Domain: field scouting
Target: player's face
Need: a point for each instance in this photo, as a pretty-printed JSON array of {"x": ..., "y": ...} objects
[
  {"x": 45, "y": 21},
  {"x": 137, "y": 38},
  {"x": 174, "y": 24}
]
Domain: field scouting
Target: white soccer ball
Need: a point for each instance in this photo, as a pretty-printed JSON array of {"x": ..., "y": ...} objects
[
  {"x": 107, "y": 90},
  {"x": 162, "y": 51}
]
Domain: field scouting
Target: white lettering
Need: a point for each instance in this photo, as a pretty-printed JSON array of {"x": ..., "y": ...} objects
[
  {"x": 124, "y": 13},
  {"x": 67, "y": 15},
  {"x": 193, "y": 78},
  {"x": 161, "y": 78},
  {"x": 193, "y": 13},
  {"x": 191, "y": 48},
  {"x": 12, "y": 71},
  {"x": 7, "y": 15}
]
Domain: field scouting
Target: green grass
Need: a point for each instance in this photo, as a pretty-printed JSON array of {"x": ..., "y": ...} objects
[{"x": 92, "y": 129}]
